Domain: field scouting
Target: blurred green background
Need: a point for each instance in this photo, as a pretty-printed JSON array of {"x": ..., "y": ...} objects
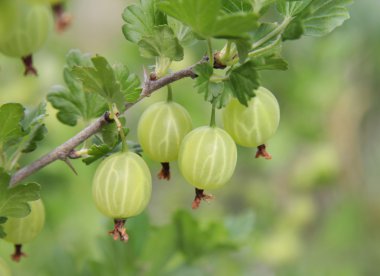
[{"x": 312, "y": 210}]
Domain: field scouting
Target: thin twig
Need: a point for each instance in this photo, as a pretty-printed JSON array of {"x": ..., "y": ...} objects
[{"x": 63, "y": 151}]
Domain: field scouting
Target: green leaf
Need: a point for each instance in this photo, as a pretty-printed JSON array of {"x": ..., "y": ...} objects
[
  {"x": 272, "y": 62},
  {"x": 243, "y": 46},
  {"x": 207, "y": 19},
  {"x": 292, "y": 7},
  {"x": 314, "y": 17},
  {"x": 129, "y": 83},
  {"x": 234, "y": 25},
  {"x": 204, "y": 72},
  {"x": 72, "y": 102},
  {"x": 110, "y": 133},
  {"x": 200, "y": 15},
  {"x": 294, "y": 31},
  {"x": 261, "y": 6},
  {"x": 270, "y": 46},
  {"x": 140, "y": 20},
  {"x": 14, "y": 201},
  {"x": 2, "y": 221},
  {"x": 324, "y": 16},
  {"x": 243, "y": 80},
  {"x": 184, "y": 33},
  {"x": 96, "y": 152},
  {"x": 101, "y": 80},
  {"x": 232, "y": 6},
  {"x": 161, "y": 43},
  {"x": 11, "y": 115},
  {"x": 34, "y": 128}
]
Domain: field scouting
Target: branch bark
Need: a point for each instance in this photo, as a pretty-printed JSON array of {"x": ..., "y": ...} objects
[{"x": 63, "y": 151}]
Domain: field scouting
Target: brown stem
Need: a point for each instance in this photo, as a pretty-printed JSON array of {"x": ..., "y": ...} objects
[
  {"x": 119, "y": 231},
  {"x": 165, "y": 171},
  {"x": 199, "y": 196},
  {"x": 262, "y": 152},
  {"x": 28, "y": 64},
  {"x": 62, "y": 18},
  {"x": 16, "y": 256}
]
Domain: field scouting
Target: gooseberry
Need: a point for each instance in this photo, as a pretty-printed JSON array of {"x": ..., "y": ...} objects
[
  {"x": 161, "y": 130},
  {"x": 122, "y": 187}
]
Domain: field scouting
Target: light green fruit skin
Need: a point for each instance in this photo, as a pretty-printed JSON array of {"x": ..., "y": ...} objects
[
  {"x": 122, "y": 185},
  {"x": 4, "y": 269},
  {"x": 24, "y": 26},
  {"x": 207, "y": 157},
  {"x": 161, "y": 130},
  {"x": 254, "y": 125},
  {"x": 23, "y": 230}
]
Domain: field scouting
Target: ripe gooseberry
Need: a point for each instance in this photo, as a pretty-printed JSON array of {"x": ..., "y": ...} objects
[
  {"x": 23, "y": 230},
  {"x": 207, "y": 159},
  {"x": 254, "y": 125},
  {"x": 24, "y": 27},
  {"x": 121, "y": 188},
  {"x": 161, "y": 129}
]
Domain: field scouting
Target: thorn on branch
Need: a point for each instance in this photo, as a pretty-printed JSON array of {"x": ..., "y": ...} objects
[
  {"x": 262, "y": 152},
  {"x": 18, "y": 254},
  {"x": 68, "y": 162},
  {"x": 119, "y": 231},
  {"x": 199, "y": 196}
]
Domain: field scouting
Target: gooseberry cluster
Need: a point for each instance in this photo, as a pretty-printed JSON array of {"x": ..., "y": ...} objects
[{"x": 206, "y": 155}]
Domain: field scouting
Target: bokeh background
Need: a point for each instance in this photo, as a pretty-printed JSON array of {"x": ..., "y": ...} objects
[{"x": 312, "y": 210}]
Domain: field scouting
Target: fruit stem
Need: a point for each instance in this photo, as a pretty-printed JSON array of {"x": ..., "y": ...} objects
[
  {"x": 262, "y": 152},
  {"x": 16, "y": 256},
  {"x": 210, "y": 54},
  {"x": 114, "y": 115},
  {"x": 170, "y": 93},
  {"x": 28, "y": 64},
  {"x": 212, "y": 120},
  {"x": 165, "y": 171},
  {"x": 119, "y": 231},
  {"x": 199, "y": 196}
]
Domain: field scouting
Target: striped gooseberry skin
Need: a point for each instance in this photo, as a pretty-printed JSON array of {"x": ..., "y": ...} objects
[
  {"x": 207, "y": 157},
  {"x": 24, "y": 26},
  {"x": 122, "y": 185},
  {"x": 23, "y": 230},
  {"x": 161, "y": 130},
  {"x": 252, "y": 126}
]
